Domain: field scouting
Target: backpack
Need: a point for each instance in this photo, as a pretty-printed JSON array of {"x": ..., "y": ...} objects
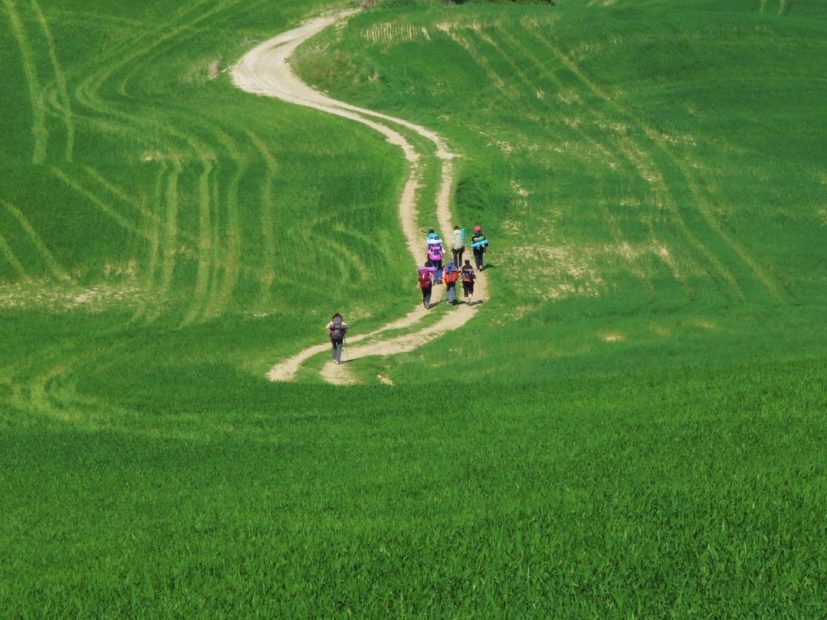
[
  {"x": 424, "y": 278},
  {"x": 468, "y": 275},
  {"x": 457, "y": 239},
  {"x": 337, "y": 332},
  {"x": 435, "y": 251},
  {"x": 451, "y": 277}
]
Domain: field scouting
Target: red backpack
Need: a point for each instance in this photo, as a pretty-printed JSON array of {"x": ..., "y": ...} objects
[{"x": 424, "y": 278}]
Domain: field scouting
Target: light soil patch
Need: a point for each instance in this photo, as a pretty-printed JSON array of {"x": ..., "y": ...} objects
[{"x": 264, "y": 70}]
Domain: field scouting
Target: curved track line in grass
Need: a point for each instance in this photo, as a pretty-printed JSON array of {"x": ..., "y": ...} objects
[
  {"x": 202, "y": 275},
  {"x": 120, "y": 194},
  {"x": 268, "y": 269},
  {"x": 706, "y": 210},
  {"x": 16, "y": 265},
  {"x": 48, "y": 258},
  {"x": 265, "y": 71},
  {"x": 154, "y": 252},
  {"x": 64, "y": 103},
  {"x": 608, "y": 147},
  {"x": 101, "y": 204},
  {"x": 644, "y": 161},
  {"x": 40, "y": 132},
  {"x": 231, "y": 247},
  {"x": 169, "y": 230},
  {"x": 701, "y": 203},
  {"x": 218, "y": 243}
]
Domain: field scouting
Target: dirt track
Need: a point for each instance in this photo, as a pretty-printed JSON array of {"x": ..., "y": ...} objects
[{"x": 264, "y": 70}]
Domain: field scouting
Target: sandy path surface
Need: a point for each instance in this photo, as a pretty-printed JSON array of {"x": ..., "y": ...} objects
[{"x": 264, "y": 70}]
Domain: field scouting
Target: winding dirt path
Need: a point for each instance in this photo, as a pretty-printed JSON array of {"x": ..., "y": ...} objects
[{"x": 264, "y": 70}]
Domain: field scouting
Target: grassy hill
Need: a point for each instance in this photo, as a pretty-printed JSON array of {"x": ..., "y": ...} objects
[{"x": 633, "y": 425}]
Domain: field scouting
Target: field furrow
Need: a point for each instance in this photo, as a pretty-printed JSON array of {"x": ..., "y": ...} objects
[
  {"x": 64, "y": 103},
  {"x": 204, "y": 246},
  {"x": 54, "y": 266},
  {"x": 40, "y": 132},
  {"x": 99, "y": 203},
  {"x": 17, "y": 267}
]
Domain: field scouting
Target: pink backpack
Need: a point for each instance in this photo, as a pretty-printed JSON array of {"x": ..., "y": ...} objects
[{"x": 435, "y": 251}]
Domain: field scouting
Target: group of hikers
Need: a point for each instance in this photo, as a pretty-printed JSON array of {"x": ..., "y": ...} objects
[{"x": 431, "y": 274}]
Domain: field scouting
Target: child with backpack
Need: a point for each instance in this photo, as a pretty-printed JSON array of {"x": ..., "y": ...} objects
[
  {"x": 450, "y": 278},
  {"x": 479, "y": 244},
  {"x": 468, "y": 276},
  {"x": 336, "y": 329},
  {"x": 425, "y": 277},
  {"x": 457, "y": 244},
  {"x": 435, "y": 254}
]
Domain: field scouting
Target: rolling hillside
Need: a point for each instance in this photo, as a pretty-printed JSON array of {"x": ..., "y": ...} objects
[{"x": 633, "y": 422}]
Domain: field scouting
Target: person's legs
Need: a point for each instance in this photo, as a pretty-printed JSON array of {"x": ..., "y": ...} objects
[
  {"x": 478, "y": 258},
  {"x": 337, "y": 351},
  {"x": 426, "y": 297}
]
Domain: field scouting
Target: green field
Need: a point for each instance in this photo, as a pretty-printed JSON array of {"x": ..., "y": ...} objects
[{"x": 633, "y": 425}]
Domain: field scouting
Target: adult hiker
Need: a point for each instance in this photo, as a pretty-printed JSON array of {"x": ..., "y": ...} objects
[
  {"x": 479, "y": 244},
  {"x": 450, "y": 278},
  {"x": 457, "y": 245},
  {"x": 425, "y": 276},
  {"x": 468, "y": 276},
  {"x": 336, "y": 329},
  {"x": 435, "y": 254}
]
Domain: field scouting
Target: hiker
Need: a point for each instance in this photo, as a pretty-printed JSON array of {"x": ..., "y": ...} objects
[
  {"x": 457, "y": 245},
  {"x": 479, "y": 244},
  {"x": 468, "y": 276},
  {"x": 435, "y": 254},
  {"x": 425, "y": 276},
  {"x": 450, "y": 278},
  {"x": 336, "y": 329}
]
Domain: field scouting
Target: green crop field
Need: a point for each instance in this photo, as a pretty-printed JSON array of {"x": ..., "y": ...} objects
[{"x": 632, "y": 425}]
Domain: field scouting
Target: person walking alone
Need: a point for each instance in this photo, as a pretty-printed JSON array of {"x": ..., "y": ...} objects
[
  {"x": 336, "y": 329},
  {"x": 457, "y": 245},
  {"x": 468, "y": 277},
  {"x": 479, "y": 244},
  {"x": 425, "y": 277}
]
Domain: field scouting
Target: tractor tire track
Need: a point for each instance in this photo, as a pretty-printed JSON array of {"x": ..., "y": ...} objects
[
  {"x": 264, "y": 70},
  {"x": 40, "y": 132},
  {"x": 64, "y": 104}
]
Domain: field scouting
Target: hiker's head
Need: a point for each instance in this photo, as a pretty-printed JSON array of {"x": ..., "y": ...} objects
[
  {"x": 467, "y": 262},
  {"x": 456, "y": 227},
  {"x": 477, "y": 228},
  {"x": 335, "y": 316}
]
